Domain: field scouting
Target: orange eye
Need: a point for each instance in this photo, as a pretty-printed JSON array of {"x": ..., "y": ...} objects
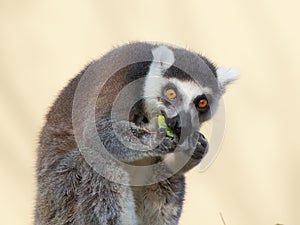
[
  {"x": 171, "y": 94},
  {"x": 202, "y": 103}
]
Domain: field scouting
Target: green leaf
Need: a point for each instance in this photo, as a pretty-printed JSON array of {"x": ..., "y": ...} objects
[{"x": 162, "y": 124}]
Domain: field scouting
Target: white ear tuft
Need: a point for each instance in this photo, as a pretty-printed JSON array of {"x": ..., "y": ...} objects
[
  {"x": 227, "y": 75},
  {"x": 163, "y": 54}
]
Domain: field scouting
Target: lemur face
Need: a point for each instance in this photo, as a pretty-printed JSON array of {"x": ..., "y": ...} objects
[
  {"x": 171, "y": 92},
  {"x": 184, "y": 101},
  {"x": 184, "y": 104}
]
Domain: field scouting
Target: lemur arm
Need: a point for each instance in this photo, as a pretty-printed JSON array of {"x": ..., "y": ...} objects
[
  {"x": 196, "y": 154},
  {"x": 128, "y": 142}
]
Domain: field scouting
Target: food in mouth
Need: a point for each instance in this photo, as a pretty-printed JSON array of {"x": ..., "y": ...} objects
[{"x": 162, "y": 124}]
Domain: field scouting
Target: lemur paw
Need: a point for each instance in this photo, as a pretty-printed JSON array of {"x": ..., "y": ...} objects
[
  {"x": 201, "y": 146},
  {"x": 166, "y": 144},
  {"x": 161, "y": 143},
  {"x": 158, "y": 141}
]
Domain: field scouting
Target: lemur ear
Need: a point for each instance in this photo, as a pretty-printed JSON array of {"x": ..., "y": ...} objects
[
  {"x": 226, "y": 75},
  {"x": 163, "y": 54}
]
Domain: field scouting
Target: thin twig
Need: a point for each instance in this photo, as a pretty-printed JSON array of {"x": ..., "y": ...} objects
[{"x": 222, "y": 218}]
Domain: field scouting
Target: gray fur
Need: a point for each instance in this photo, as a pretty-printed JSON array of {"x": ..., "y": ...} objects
[{"x": 70, "y": 191}]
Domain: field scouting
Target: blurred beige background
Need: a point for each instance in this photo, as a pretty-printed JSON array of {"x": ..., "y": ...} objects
[{"x": 256, "y": 177}]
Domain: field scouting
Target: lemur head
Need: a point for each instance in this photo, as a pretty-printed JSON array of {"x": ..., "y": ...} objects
[
  {"x": 184, "y": 87},
  {"x": 179, "y": 84}
]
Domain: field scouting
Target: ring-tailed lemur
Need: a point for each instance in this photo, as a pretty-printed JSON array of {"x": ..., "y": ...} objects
[{"x": 181, "y": 85}]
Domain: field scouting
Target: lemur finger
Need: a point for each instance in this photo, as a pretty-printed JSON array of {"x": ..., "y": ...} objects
[
  {"x": 200, "y": 151},
  {"x": 203, "y": 140},
  {"x": 167, "y": 145}
]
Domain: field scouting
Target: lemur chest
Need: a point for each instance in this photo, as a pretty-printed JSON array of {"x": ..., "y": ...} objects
[{"x": 150, "y": 205}]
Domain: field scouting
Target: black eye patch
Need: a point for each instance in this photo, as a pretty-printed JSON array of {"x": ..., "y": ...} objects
[{"x": 201, "y": 103}]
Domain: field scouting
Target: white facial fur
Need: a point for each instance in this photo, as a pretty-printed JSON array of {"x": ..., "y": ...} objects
[{"x": 163, "y": 58}]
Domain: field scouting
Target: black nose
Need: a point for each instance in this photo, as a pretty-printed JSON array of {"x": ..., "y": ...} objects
[
  {"x": 181, "y": 124},
  {"x": 174, "y": 123}
]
